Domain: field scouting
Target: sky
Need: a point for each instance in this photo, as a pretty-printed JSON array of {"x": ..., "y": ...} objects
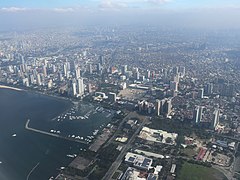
[
  {"x": 184, "y": 13},
  {"x": 94, "y": 4}
]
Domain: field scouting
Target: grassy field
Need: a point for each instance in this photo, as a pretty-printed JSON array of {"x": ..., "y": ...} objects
[
  {"x": 189, "y": 152},
  {"x": 197, "y": 172}
]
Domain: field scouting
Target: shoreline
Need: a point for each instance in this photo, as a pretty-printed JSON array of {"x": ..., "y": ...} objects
[
  {"x": 9, "y": 87},
  {"x": 12, "y": 87}
]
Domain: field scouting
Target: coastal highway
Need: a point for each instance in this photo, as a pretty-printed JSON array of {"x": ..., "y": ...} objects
[
  {"x": 52, "y": 134},
  {"x": 125, "y": 148}
]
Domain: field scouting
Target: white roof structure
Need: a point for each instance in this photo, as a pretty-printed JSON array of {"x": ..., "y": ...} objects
[{"x": 157, "y": 135}]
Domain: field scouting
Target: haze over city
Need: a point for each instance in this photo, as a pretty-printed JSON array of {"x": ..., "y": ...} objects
[{"x": 213, "y": 14}]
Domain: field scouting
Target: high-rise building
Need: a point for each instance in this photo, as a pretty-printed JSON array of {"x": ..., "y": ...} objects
[
  {"x": 176, "y": 78},
  {"x": 44, "y": 70},
  {"x": 22, "y": 68},
  {"x": 23, "y": 59},
  {"x": 208, "y": 89},
  {"x": 148, "y": 74},
  {"x": 112, "y": 97},
  {"x": 89, "y": 88},
  {"x": 137, "y": 75},
  {"x": 168, "y": 108},
  {"x": 78, "y": 72},
  {"x": 39, "y": 81},
  {"x": 158, "y": 107},
  {"x": 26, "y": 82},
  {"x": 174, "y": 85},
  {"x": 99, "y": 68},
  {"x": 101, "y": 60},
  {"x": 80, "y": 86},
  {"x": 90, "y": 69},
  {"x": 163, "y": 107},
  {"x": 60, "y": 77},
  {"x": 32, "y": 80},
  {"x": 68, "y": 66},
  {"x": 124, "y": 69},
  {"x": 65, "y": 69},
  {"x": 200, "y": 93},
  {"x": 216, "y": 118},
  {"x": 54, "y": 68},
  {"x": 50, "y": 84},
  {"x": 198, "y": 113},
  {"x": 74, "y": 88},
  {"x": 175, "y": 70}
]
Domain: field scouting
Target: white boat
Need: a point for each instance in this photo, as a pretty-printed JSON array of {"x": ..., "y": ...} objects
[
  {"x": 14, "y": 135},
  {"x": 95, "y": 132},
  {"x": 71, "y": 156}
]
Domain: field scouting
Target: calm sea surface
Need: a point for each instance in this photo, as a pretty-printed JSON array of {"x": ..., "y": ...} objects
[{"x": 21, "y": 150}]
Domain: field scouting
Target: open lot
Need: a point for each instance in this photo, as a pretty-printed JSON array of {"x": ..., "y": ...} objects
[
  {"x": 219, "y": 159},
  {"x": 80, "y": 163},
  {"x": 197, "y": 172},
  {"x": 132, "y": 94}
]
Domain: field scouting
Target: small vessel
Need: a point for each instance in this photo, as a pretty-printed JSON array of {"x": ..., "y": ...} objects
[
  {"x": 14, "y": 135},
  {"x": 95, "y": 132},
  {"x": 71, "y": 156}
]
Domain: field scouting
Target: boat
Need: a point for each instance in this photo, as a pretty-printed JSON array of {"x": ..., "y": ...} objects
[
  {"x": 71, "y": 156},
  {"x": 95, "y": 132},
  {"x": 14, "y": 135}
]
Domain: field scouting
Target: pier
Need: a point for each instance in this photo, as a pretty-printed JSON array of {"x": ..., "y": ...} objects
[{"x": 52, "y": 134}]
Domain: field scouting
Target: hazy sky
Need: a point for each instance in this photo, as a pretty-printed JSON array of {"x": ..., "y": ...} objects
[
  {"x": 178, "y": 13},
  {"x": 118, "y": 3}
]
